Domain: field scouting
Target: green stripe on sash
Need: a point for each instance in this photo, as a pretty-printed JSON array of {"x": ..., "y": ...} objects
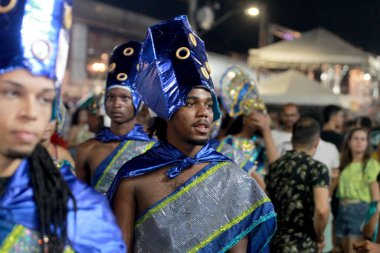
[
  {"x": 12, "y": 238},
  {"x": 175, "y": 196},
  {"x": 119, "y": 153},
  {"x": 227, "y": 226}
]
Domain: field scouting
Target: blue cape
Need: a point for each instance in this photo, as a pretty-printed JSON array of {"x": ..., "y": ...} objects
[
  {"x": 91, "y": 229},
  {"x": 136, "y": 134},
  {"x": 160, "y": 156}
]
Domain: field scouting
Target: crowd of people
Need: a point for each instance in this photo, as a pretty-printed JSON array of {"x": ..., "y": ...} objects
[{"x": 180, "y": 167}]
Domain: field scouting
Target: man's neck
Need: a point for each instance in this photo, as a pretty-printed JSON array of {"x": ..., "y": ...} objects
[
  {"x": 122, "y": 129},
  {"x": 307, "y": 151},
  {"x": 188, "y": 150},
  {"x": 8, "y": 166}
]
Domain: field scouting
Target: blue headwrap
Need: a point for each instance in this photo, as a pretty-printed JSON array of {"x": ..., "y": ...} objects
[
  {"x": 122, "y": 69},
  {"x": 34, "y": 36},
  {"x": 173, "y": 61}
]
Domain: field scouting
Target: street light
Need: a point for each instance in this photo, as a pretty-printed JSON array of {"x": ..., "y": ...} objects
[{"x": 251, "y": 11}]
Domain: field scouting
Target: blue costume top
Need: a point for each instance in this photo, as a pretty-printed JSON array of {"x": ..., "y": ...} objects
[
  {"x": 91, "y": 228},
  {"x": 181, "y": 221},
  {"x": 131, "y": 144}
]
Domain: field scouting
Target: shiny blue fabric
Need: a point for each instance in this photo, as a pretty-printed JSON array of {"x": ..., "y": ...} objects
[
  {"x": 35, "y": 37},
  {"x": 91, "y": 229},
  {"x": 163, "y": 80},
  {"x": 160, "y": 156},
  {"x": 136, "y": 134},
  {"x": 120, "y": 63}
]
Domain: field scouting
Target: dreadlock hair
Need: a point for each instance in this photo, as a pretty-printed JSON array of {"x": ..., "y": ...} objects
[
  {"x": 159, "y": 128},
  {"x": 51, "y": 194},
  {"x": 346, "y": 154}
]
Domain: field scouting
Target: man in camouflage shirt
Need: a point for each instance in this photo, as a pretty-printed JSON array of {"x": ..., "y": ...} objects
[{"x": 298, "y": 187}]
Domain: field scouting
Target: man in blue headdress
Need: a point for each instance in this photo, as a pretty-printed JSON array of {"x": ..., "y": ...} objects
[
  {"x": 42, "y": 208},
  {"x": 182, "y": 195},
  {"x": 99, "y": 159}
]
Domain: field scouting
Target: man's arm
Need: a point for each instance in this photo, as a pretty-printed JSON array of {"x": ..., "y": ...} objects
[
  {"x": 124, "y": 210},
  {"x": 82, "y": 169},
  {"x": 321, "y": 212}
]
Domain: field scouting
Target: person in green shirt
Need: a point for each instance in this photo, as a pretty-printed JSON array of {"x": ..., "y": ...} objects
[{"x": 357, "y": 187}]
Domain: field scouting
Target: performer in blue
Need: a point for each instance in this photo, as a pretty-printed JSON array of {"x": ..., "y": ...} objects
[
  {"x": 99, "y": 159},
  {"x": 182, "y": 195},
  {"x": 42, "y": 208},
  {"x": 240, "y": 97}
]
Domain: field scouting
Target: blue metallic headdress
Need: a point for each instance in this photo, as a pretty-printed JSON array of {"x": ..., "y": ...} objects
[
  {"x": 173, "y": 61},
  {"x": 34, "y": 36},
  {"x": 239, "y": 93},
  {"x": 122, "y": 69}
]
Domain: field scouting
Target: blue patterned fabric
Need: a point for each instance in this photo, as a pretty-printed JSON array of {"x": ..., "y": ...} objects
[{"x": 92, "y": 228}]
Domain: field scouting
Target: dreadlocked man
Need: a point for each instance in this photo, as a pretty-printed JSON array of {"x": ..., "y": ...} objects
[{"x": 41, "y": 208}]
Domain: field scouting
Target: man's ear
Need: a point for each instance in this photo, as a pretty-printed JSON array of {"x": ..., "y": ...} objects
[{"x": 316, "y": 143}]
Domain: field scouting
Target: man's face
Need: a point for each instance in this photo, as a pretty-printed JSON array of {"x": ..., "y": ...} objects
[
  {"x": 289, "y": 116},
  {"x": 119, "y": 105},
  {"x": 26, "y": 103},
  {"x": 338, "y": 119},
  {"x": 192, "y": 123}
]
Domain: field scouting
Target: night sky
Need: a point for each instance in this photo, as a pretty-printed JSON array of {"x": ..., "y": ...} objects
[{"x": 356, "y": 21}]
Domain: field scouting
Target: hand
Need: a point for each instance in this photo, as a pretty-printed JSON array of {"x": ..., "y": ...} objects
[
  {"x": 366, "y": 247},
  {"x": 320, "y": 246},
  {"x": 259, "y": 120}
]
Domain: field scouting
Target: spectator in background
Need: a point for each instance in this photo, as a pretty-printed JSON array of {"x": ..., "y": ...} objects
[
  {"x": 282, "y": 137},
  {"x": 298, "y": 187},
  {"x": 333, "y": 118},
  {"x": 79, "y": 131},
  {"x": 357, "y": 187}
]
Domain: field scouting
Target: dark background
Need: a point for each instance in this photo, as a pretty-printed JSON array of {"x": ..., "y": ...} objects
[{"x": 358, "y": 22}]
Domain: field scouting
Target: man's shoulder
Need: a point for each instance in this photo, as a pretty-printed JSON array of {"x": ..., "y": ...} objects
[{"x": 89, "y": 144}]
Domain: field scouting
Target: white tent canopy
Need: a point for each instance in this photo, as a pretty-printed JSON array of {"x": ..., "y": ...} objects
[
  {"x": 315, "y": 47},
  {"x": 220, "y": 63},
  {"x": 294, "y": 87}
]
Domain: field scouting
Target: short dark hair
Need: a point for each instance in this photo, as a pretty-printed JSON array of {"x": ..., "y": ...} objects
[
  {"x": 305, "y": 132},
  {"x": 329, "y": 111}
]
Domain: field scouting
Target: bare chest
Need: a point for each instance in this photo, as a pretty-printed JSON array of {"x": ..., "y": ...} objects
[{"x": 157, "y": 185}]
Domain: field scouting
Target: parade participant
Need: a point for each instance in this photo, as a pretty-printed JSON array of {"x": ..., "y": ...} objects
[
  {"x": 240, "y": 97},
  {"x": 99, "y": 159},
  {"x": 182, "y": 195},
  {"x": 42, "y": 208}
]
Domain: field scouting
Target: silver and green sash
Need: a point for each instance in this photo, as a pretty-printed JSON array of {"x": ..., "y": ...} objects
[
  {"x": 108, "y": 168},
  {"x": 211, "y": 212},
  {"x": 21, "y": 239}
]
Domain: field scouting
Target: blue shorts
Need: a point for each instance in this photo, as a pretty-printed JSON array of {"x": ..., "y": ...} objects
[{"x": 351, "y": 219}]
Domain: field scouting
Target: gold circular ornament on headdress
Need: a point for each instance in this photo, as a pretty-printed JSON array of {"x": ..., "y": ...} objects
[
  {"x": 128, "y": 51},
  {"x": 8, "y": 7},
  {"x": 207, "y": 65},
  {"x": 182, "y": 53},
  {"x": 68, "y": 17},
  {"x": 205, "y": 73},
  {"x": 192, "y": 39},
  {"x": 41, "y": 49},
  {"x": 111, "y": 67},
  {"x": 122, "y": 77}
]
